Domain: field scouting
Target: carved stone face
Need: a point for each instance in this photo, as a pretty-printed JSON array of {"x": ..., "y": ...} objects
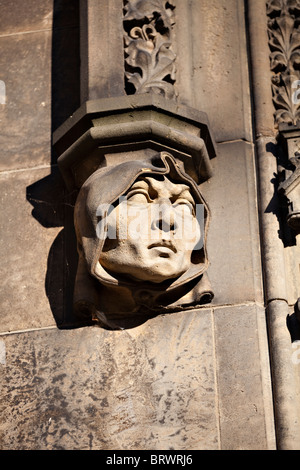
[
  {"x": 156, "y": 231},
  {"x": 141, "y": 228}
]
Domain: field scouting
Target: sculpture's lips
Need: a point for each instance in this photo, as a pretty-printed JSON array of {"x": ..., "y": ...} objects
[{"x": 163, "y": 244}]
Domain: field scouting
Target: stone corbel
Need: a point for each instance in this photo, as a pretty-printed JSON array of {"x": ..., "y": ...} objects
[
  {"x": 289, "y": 186},
  {"x": 102, "y": 130},
  {"x": 104, "y": 149},
  {"x": 129, "y": 145}
]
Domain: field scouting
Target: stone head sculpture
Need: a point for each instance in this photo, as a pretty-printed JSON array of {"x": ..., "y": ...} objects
[{"x": 141, "y": 230}]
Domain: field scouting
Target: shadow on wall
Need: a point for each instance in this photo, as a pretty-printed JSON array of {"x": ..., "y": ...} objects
[
  {"x": 293, "y": 325},
  {"x": 52, "y": 206},
  {"x": 278, "y": 205}
]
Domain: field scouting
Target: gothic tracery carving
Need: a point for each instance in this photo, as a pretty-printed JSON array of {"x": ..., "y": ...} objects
[
  {"x": 148, "y": 38},
  {"x": 284, "y": 42}
]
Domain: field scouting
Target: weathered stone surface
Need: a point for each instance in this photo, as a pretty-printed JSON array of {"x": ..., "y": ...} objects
[
  {"x": 26, "y": 116},
  {"x": 244, "y": 386},
  {"x": 212, "y": 71},
  {"x": 42, "y": 66},
  {"x": 18, "y": 16},
  {"x": 151, "y": 387},
  {"x": 292, "y": 256},
  {"x": 233, "y": 241},
  {"x": 31, "y": 220},
  {"x": 211, "y": 66},
  {"x": 102, "y": 71},
  {"x": 174, "y": 382}
]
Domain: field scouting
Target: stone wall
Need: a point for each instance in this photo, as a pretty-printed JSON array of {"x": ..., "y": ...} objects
[{"x": 196, "y": 379}]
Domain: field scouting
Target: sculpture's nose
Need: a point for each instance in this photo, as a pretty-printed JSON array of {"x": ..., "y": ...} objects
[{"x": 164, "y": 217}]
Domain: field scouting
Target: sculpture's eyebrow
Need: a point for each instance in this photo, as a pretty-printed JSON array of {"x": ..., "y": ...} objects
[
  {"x": 145, "y": 185},
  {"x": 174, "y": 188},
  {"x": 153, "y": 187},
  {"x": 185, "y": 193},
  {"x": 139, "y": 184}
]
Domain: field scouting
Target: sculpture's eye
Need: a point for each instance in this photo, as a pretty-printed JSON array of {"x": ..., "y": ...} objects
[
  {"x": 184, "y": 206},
  {"x": 138, "y": 196}
]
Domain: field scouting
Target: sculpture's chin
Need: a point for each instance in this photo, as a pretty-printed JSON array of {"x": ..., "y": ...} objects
[{"x": 158, "y": 271}]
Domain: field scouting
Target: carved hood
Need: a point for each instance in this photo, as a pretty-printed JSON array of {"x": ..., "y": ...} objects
[{"x": 96, "y": 290}]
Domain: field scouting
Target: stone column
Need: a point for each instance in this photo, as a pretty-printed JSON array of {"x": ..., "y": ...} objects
[
  {"x": 284, "y": 375},
  {"x": 101, "y": 49}
]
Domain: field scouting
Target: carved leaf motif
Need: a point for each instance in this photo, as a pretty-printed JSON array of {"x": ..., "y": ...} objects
[
  {"x": 284, "y": 42},
  {"x": 293, "y": 4},
  {"x": 274, "y": 5},
  {"x": 149, "y": 58},
  {"x": 282, "y": 5},
  {"x": 282, "y": 38},
  {"x": 140, "y": 54},
  {"x": 139, "y": 9},
  {"x": 286, "y": 110},
  {"x": 155, "y": 60},
  {"x": 278, "y": 60}
]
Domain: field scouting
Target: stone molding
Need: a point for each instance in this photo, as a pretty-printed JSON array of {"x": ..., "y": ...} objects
[{"x": 129, "y": 123}]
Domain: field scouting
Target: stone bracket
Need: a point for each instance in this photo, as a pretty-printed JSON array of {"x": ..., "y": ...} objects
[{"x": 101, "y": 128}]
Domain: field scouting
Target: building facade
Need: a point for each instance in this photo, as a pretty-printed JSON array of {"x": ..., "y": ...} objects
[{"x": 107, "y": 85}]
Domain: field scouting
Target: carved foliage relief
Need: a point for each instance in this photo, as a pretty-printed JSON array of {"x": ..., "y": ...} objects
[
  {"x": 284, "y": 42},
  {"x": 148, "y": 39}
]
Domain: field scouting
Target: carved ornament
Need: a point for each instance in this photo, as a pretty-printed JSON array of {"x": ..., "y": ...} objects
[
  {"x": 135, "y": 259},
  {"x": 137, "y": 163},
  {"x": 149, "y": 54},
  {"x": 284, "y": 43}
]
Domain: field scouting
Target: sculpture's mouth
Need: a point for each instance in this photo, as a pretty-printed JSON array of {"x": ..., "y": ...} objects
[{"x": 164, "y": 246}]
